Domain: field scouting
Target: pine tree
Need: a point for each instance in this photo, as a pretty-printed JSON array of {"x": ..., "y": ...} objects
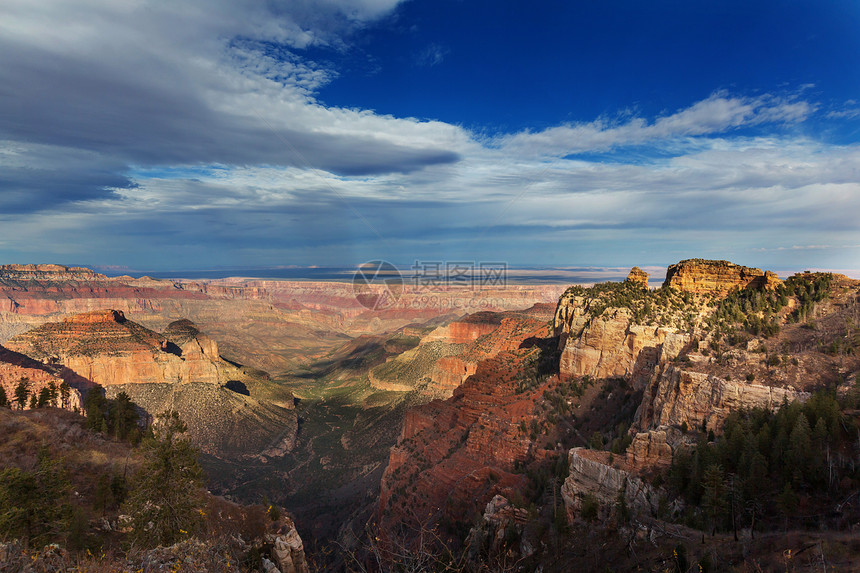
[
  {"x": 787, "y": 502},
  {"x": 167, "y": 491},
  {"x": 65, "y": 392},
  {"x": 4, "y": 400},
  {"x": 799, "y": 444},
  {"x": 33, "y": 503},
  {"x": 52, "y": 394},
  {"x": 22, "y": 391},
  {"x": 44, "y": 397},
  {"x": 714, "y": 496},
  {"x": 123, "y": 415}
]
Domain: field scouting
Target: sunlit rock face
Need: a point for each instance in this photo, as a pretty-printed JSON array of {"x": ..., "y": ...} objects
[
  {"x": 106, "y": 348},
  {"x": 700, "y": 276}
]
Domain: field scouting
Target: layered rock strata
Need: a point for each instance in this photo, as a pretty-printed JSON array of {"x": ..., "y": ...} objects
[
  {"x": 612, "y": 344},
  {"x": 700, "y": 276},
  {"x": 695, "y": 399},
  {"x": 15, "y": 367},
  {"x": 592, "y": 474},
  {"x": 106, "y": 348}
]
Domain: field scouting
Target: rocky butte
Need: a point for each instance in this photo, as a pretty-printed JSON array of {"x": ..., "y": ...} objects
[
  {"x": 700, "y": 276},
  {"x": 106, "y": 348},
  {"x": 231, "y": 411}
]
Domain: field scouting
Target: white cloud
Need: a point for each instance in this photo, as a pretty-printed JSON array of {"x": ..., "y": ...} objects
[{"x": 717, "y": 114}]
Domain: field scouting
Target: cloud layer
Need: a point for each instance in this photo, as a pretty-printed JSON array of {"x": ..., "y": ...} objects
[{"x": 177, "y": 135}]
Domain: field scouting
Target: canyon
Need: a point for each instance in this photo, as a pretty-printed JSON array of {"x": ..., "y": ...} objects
[{"x": 523, "y": 405}]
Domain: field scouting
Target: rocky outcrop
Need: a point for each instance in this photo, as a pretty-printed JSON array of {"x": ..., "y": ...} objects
[
  {"x": 106, "y": 348},
  {"x": 288, "y": 551},
  {"x": 449, "y": 354},
  {"x": 468, "y": 329},
  {"x": 700, "y": 276},
  {"x": 15, "y": 367},
  {"x": 591, "y": 474},
  {"x": 652, "y": 450},
  {"x": 678, "y": 396},
  {"x": 499, "y": 521},
  {"x": 611, "y": 345},
  {"x": 637, "y": 275},
  {"x": 9, "y": 273}
]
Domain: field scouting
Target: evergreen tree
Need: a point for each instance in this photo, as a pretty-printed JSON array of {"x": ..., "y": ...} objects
[
  {"x": 103, "y": 496},
  {"x": 22, "y": 391},
  {"x": 96, "y": 409},
  {"x": 799, "y": 449},
  {"x": 33, "y": 503},
  {"x": 4, "y": 400},
  {"x": 52, "y": 394},
  {"x": 166, "y": 499},
  {"x": 65, "y": 392},
  {"x": 123, "y": 416},
  {"x": 714, "y": 495},
  {"x": 44, "y": 397},
  {"x": 787, "y": 502}
]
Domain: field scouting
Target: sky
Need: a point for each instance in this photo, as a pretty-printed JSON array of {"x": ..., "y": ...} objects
[{"x": 156, "y": 135}]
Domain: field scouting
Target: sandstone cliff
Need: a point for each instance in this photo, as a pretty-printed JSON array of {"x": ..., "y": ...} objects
[
  {"x": 449, "y": 354},
  {"x": 696, "y": 399},
  {"x": 106, "y": 348},
  {"x": 592, "y": 474},
  {"x": 666, "y": 360},
  {"x": 612, "y": 345},
  {"x": 700, "y": 276}
]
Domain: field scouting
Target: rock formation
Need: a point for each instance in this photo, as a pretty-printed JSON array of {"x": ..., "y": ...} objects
[
  {"x": 656, "y": 353},
  {"x": 679, "y": 396},
  {"x": 106, "y": 348},
  {"x": 288, "y": 550},
  {"x": 612, "y": 345},
  {"x": 700, "y": 276},
  {"x": 449, "y": 354},
  {"x": 591, "y": 474},
  {"x": 637, "y": 275},
  {"x": 463, "y": 448}
]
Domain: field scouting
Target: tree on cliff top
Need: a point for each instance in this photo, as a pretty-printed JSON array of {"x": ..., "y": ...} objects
[{"x": 167, "y": 497}]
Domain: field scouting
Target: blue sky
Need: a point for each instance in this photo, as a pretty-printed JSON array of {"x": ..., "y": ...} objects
[{"x": 205, "y": 134}]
